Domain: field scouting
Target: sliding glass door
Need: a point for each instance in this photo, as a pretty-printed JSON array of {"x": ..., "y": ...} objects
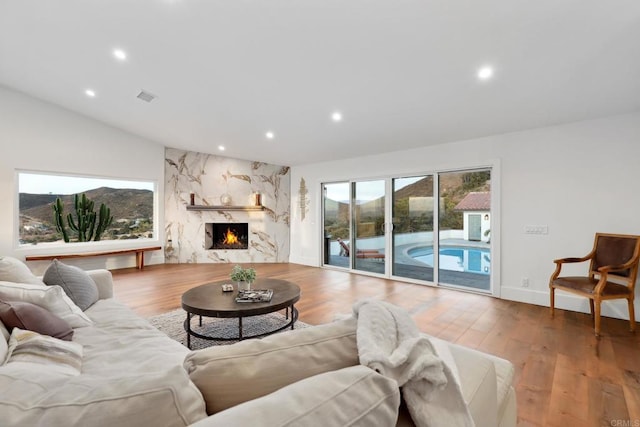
[
  {"x": 424, "y": 228},
  {"x": 354, "y": 232},
  {"x": 369, "y": 246},
  {"x": 412, "y": 237},
  {"x": 337, "y": 231},
  {"x": 465, "y": 229}
]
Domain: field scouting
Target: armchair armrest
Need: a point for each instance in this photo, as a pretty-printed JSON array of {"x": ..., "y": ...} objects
[
  {"x": 569, "y": 260},
  {"x": 573, "y": 259},
  {"x": 104, "y": 282},
  {"x": 611, "y": 268}
]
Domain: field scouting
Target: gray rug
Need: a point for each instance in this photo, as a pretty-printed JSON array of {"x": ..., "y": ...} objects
[{"x": 172, "y": 324}]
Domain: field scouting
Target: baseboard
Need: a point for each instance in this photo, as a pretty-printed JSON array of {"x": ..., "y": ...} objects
[
  {"x": 309, "y": 261},
  {"x": 616, "y": 309}
]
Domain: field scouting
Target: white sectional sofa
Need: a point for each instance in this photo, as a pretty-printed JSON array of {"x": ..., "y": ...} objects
[{"x": 134, "y": 375}]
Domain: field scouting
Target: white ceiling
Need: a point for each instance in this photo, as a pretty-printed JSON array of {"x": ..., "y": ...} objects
[{"x": 401, "y": 72}]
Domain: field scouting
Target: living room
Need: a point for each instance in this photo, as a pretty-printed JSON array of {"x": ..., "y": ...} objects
[{"x": 571, "y": 172}]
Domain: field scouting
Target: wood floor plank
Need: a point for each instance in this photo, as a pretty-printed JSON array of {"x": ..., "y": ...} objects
[{"x": 564, "y": 376}]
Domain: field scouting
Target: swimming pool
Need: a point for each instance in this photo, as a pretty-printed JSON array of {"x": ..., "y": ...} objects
[{"x": 456, "y": 258}]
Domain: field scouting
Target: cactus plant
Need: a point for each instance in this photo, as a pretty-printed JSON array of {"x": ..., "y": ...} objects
[
  {"x": 58, "y": 212},
  {"x": 85, "y": 217},
  {"x": 88, "y": 224},
  {"x": 104, "y": 220}
]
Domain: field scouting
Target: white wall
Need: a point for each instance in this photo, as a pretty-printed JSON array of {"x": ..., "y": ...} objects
[
  {"x": 577, "y": 179},
  {"x": 38, "y": 136}
]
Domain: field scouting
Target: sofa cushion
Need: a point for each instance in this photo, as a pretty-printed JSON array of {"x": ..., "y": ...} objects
[
  {"x": 31, "y": 317},
  {"x": 51, "y": 298},
  {"x": 128, "y": 400},
  {"x": 229, "y": 375},
  {"x": 479, "y": 384},
  {"x": 132, "y": 375},
  {"x": 14, "y": 270},
  {"x": 353, "y": 396},
  {"x": 76, "y": 283},
  {"x": 4, "y": 342},
  {"x": 37, "y": 352}
]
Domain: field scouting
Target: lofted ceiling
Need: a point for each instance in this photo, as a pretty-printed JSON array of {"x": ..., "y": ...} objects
[{"x": 402, "y": 73}]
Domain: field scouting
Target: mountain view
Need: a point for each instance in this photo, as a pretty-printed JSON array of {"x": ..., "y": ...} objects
[
  {"x": 453, "y": 188},
  {"x": 132, "y": 212}
]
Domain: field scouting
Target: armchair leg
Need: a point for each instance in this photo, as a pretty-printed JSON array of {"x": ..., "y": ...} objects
[
  {"x": 632, "y": 314},
  {"x": 591, "y": 305},
  {"x": 552, "y": 291},
  {"x": 597, "y": 318}
]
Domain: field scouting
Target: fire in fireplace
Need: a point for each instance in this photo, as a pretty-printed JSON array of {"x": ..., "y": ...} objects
[{"x": 225, "y": 235}]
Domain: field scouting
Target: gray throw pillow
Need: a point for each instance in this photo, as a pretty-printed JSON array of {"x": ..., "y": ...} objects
[{"x": 77, "y": 284}]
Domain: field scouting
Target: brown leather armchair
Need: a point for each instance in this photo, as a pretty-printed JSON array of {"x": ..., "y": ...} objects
[{"x": 612, "y": 274}]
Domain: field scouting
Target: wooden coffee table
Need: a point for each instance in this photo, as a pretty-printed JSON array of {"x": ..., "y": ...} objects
[{"x": 209, "y": 301}]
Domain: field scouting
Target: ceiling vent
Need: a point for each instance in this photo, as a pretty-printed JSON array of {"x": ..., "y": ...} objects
[{"x": 146, "y": 96}]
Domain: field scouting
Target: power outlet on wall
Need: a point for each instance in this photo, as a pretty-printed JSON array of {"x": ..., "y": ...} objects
[{"x": 525, "y": 282}]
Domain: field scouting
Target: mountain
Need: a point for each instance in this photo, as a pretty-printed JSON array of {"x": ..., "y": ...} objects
[{"x": 124, "y": 203}]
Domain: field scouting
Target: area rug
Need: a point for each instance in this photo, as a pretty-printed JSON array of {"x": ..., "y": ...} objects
[{"x": 172, "y": 324}]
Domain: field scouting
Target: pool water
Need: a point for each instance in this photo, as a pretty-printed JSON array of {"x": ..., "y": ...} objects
[{"x": 456, "y": 258}]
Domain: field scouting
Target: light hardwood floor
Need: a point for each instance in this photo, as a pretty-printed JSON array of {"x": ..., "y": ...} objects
[{"x": 564, "y": 375}]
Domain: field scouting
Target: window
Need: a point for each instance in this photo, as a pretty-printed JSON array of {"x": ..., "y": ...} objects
[{"x": 129, "y": 204}]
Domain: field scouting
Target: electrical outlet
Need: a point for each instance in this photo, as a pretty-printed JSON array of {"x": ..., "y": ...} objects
[{"x": 525, "y": 282}]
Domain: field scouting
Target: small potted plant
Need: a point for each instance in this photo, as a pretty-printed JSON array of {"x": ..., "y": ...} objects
[{"x": 243, "y": 276}]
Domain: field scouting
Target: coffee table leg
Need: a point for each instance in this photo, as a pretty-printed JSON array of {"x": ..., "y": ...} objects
[
  {"x": 240, "y": 327},
  {"x": 286, "y": 313},
  {"x": 189, "y": 330},
  {"x": 200, "y": 320}
]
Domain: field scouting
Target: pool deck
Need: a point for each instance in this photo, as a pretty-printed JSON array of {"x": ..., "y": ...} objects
[{"x": 406, "y": 266}]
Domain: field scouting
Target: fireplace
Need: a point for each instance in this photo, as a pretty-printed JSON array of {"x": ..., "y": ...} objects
[{"x": 226, "y": 235}]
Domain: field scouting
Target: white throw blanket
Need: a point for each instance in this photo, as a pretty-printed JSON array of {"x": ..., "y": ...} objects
[{"x": 390, "y": 342}]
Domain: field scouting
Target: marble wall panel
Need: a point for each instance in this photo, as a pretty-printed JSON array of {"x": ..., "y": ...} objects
[{"x": 210, "y": 177}]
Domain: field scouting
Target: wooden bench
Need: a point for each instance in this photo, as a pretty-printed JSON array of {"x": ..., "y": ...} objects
[{"x": 138, "y": 251}]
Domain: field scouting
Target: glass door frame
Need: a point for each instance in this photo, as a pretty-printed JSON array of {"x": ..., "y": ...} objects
[{"x": 495, "y": 220}]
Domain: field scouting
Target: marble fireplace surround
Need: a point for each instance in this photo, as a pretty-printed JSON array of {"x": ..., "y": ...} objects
[{"x": 209, "y": 177}]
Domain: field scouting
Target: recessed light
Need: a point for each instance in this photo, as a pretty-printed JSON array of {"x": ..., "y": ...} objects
[
  {"x": 221, "y": 147},
  {"x": 90, "y": 93},
  {"x": 270, "y": 135},
  {"x": 120, "y": 54},
  {"x": 485, "y": 73},
  {"x": 336, "y": 116}
]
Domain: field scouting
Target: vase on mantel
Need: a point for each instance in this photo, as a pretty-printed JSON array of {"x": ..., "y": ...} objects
[{"x": 225, "y": 200}]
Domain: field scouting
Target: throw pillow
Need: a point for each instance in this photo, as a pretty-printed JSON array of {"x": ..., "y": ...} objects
[
  {"x": 14, "y": 270},
  {"x": 51, "y": 298},
  {"x": 31, "y": 317},
  {"x": 28, "y": 348},
  {"x": 354, "y": 396},
  {"x": 230, "y": 375},
  {"x": 4, "y": 345},
  {"x": 77, "y": 284}
]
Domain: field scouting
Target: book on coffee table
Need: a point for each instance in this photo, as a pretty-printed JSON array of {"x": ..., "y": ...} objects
[{"x": 255, "y": 295}]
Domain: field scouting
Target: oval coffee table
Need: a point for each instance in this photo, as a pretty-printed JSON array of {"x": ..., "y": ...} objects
[{"x": 209, "y": 301}]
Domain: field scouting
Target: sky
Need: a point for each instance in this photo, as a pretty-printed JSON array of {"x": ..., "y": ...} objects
[
  {"x": 366, "y": 190},
  {"x": 33, "y": 183}
]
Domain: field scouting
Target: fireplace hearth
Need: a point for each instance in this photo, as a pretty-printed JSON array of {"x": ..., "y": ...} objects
[{"x": 226, "y": 235}]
